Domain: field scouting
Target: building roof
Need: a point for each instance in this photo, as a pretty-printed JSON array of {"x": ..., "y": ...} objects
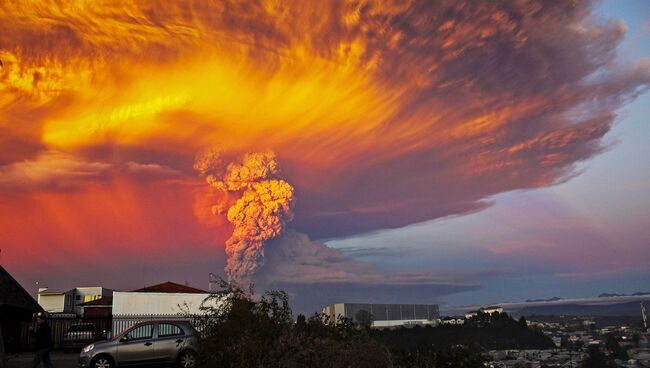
[
  {"x": 165, "y": 287},
  {"x": 12, "y": 294},
  {"x": 52, "y": 292},
  {"x": 106, "y": 301},
  {"x": 170, "y": 287}
]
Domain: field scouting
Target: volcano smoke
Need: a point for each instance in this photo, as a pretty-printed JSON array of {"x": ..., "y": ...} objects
[{"x": 259, "y": 214}]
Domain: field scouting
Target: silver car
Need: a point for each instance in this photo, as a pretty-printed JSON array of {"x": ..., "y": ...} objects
[{"x": 156, "y": 343}]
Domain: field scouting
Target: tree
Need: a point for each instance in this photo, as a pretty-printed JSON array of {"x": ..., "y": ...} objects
[
  {"x": 243, "y": 331},
  {"x": 522, "y": 322},
  {"x": 617, "y": 352},
  {"x": 301, "y": 321},
  {"x": 596, "y": 359},
  {"x": 363, "y": 318},
  {"x": 455, "y": 356}
]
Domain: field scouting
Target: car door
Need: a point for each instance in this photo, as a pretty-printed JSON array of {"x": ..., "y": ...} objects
[
  {"x": 169, "y": 342},
  {"x": 136, "y": 346}
]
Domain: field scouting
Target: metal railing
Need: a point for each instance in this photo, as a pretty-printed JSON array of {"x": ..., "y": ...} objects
[{"x": 102, "y": 327}]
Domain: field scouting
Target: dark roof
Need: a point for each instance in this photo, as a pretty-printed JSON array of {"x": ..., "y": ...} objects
[
  {"x": 171, "y": 287},
  {"x": 12, "y": 294},
  {"x": 52, "y": 292},
  {"x": 101, "y": 302}
]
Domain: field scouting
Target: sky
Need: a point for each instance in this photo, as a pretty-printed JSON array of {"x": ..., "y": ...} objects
[{"x": 455, "y": 152}]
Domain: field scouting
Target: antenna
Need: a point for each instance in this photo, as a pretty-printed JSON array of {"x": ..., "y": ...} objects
[{"x": 645, "y": 316}]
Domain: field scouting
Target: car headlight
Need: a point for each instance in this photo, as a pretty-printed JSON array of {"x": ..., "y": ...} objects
[{"x": 88, "y": 348}]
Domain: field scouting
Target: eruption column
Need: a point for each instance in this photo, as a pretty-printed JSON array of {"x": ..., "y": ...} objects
[{"x": 258, "y": 215}]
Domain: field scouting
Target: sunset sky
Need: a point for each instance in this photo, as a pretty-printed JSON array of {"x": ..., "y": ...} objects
[{"x": 457, "y": 152}]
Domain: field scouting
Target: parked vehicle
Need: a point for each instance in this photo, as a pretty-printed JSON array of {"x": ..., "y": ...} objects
[
  {"x": 156, "y": 343},
  {"x": 80, "y": 335}
]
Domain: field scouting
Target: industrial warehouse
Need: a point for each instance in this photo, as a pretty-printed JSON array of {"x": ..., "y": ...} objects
[{"x": 387, "y": 315}]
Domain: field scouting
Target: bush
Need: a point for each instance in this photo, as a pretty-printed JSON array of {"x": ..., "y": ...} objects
[{"x": 246, "y": 333}]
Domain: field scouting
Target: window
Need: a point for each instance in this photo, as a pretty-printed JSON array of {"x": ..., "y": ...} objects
[
  {"x": 141, "y": 332},
  {"x": 77, "y": 297},
  {"x": 167, "y": 329}
]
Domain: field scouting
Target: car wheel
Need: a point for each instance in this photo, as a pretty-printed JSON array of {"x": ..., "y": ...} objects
[
  {"x": 187, "y": 359},
  {"x": 102, "y": 362}
]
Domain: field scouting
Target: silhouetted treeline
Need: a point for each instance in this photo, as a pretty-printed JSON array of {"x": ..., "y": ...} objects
[{"x": 481, "y": 333}]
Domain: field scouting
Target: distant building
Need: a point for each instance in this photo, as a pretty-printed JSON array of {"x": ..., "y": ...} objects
[
  {"x": 70, "y": 301},
  {"x": 470, "y": 315},
  {"x": 453, "y": 321},
  {"x": 557, "y": 341},
  {"x": 492, "y": 309},
  {"x": 487, "y": 310},
  {"x": 387, "y": 315}
]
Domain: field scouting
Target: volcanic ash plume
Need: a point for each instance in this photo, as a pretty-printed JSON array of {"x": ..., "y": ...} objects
[{"x": 260, "y": 212}]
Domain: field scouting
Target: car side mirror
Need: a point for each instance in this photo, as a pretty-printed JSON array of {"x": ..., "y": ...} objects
[{"x": 124, "y": 339}]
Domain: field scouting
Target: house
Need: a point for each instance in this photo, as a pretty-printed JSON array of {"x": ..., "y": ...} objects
[
  {"x": 162, "y": 299},
  {"x": 70, "y": 301},
  {"x": 470, "y": 315},
  {"x": 54, "y": 301},
  {"x": 103, "y": 307},
  {"x": 98, "y": 308},
  {"x": 453, "y": 321},
  {"x": 16, "y": 307}
]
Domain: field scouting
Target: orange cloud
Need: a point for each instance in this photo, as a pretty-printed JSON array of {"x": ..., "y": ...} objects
[{"x": 381, "y": 113}]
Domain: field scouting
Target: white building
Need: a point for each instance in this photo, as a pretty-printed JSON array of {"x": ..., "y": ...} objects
[
  {"x": 53, "y": 301},
  {"x": 163, "y": 304},
  {"x": 387, "y": 315},
  {"x": 491, "y": 310},
  {"x": 166, "y": 300},
  {"x": 69, "y": 301},
  {"x": 486, "y": 310},
  {"x": 453, "y": 321}
]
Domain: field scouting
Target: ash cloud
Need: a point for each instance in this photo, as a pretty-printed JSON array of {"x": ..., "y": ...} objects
[
  {"x": 258, "y": 214},
  {"x": 53, "y": 170},
  {"x": 316, "y": 275},
  {"x": 452, "y": 101}
]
